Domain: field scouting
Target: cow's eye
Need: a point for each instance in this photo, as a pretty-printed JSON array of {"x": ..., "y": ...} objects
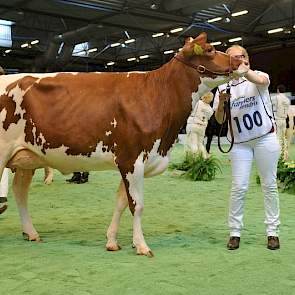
[{"x": 210, "y": 51}]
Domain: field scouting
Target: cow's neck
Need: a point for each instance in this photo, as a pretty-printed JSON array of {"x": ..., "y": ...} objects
[
  {"x": 182, "y": 76},
  {"x": 181, "y": 82}
]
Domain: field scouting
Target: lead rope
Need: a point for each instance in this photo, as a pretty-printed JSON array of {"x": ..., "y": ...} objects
[
  {"x": 226, "y": 118},
  {"x": 272, "y": 118}
]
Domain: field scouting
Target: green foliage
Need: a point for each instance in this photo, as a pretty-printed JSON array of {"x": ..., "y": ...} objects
[
  {"x": 286, "y": 175},
  {"x": 198, "y": 168}
]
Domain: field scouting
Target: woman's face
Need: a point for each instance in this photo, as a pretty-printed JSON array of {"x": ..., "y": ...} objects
[{"x": 238, "y": 53}]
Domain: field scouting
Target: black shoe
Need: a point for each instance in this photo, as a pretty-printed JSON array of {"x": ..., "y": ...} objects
[
  {"x": 75, "y": 178},
  {"x": 233, "y": 243},
  {"x": 84, "y": 177},
  {"x": 273, "y": 243},
  {"x": 3, "y": 208},
  {"x": 3, "y": 204}
]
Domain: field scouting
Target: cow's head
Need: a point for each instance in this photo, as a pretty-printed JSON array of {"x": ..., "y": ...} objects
[
  {"x": 205, "y": 59},
  {"x": 214, "y": 67}
]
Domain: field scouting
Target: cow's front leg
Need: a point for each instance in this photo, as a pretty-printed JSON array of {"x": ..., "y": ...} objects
[
  {"x": 122, "y": 202},
  {"x": 134, "y": 189},
  {"x": 21, "y": 184}
]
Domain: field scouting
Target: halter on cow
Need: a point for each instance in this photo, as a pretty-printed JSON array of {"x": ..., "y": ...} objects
[{"x": 124, "y": 121}]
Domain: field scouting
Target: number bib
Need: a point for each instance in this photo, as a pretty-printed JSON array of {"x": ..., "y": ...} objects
[{"x": 249, "y": 117}]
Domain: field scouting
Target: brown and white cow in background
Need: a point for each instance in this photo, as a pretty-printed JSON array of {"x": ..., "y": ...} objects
[
  {"x": 290, "y": 130},
  {"x": 124, "y": 121}
]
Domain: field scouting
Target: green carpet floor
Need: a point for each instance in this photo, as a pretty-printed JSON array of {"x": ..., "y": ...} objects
[{"x": 185, "y": 224}]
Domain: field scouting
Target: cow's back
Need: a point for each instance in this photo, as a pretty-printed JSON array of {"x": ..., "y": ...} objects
[{"x": 84, "y": 114}]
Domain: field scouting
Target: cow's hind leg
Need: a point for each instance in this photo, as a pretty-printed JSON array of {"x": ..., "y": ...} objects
[
  {"x": 21, "y": 184},
  {"x": 122, "y": 202},
  {"x": 48, "y": 175}
]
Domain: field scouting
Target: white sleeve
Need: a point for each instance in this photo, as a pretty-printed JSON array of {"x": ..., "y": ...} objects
[
  {"x": 266, "y": 76},
  {"x": 216, "y": 100}
]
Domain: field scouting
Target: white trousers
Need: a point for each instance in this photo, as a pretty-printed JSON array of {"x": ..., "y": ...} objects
[
  {"x": 265, "y": 151},
  {"x": 195, "y": 139},
  {"x": 4, "y": 184}
]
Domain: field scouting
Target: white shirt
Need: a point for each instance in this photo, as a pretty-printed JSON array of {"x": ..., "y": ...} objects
[
  {"x": 201, "y": 114},
  {"x": 251, "y": 110},
  {"x": 283, "y": 104}
]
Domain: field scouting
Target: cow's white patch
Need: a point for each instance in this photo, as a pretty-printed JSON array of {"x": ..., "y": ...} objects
[
  {"x": 135, "y": 72},
  {"x": 114, "y": 123},
  {"x": 34, "y": 129},
  {"x": 6, "y": 80},
  {"x": 48, "y": 75},
  {"x": 206, "y": 85},
  {"x": 17, "y": 96},
  {"x": 12, "y": 139},
  {"x": 41, "y": 136},
  {"x": 3, "y": 115},
  {"x": 108, "y": 133},
  {"x": 155, "y": 163},
  {"x": 136, "y": 179},
  {"x": 57, "y": 158}
]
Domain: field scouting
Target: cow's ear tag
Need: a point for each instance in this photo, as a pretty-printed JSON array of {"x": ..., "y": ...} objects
[{"x": 198, "y": 50}]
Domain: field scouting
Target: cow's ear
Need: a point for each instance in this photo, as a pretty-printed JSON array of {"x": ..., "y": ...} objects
[
  {"x": 189, "y": 40},
  {"x": 200, "y": 44},
  {"x": 195, "y": 46},
  {"x": 201, "y": 39}
]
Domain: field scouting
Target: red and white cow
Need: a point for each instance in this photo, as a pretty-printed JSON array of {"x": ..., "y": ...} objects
[{"x": 97, "y": 121}]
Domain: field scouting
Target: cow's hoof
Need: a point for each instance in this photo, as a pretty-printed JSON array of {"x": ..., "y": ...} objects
[
  {"x": 3, "y": 208},
  {"x": 149, "y": 253},
  {"x": 29, "y": 238},
  {"x": 48, "y": 181},
  {"x": 144, "y": 251},
  {"x": 113, "y": 247}
]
